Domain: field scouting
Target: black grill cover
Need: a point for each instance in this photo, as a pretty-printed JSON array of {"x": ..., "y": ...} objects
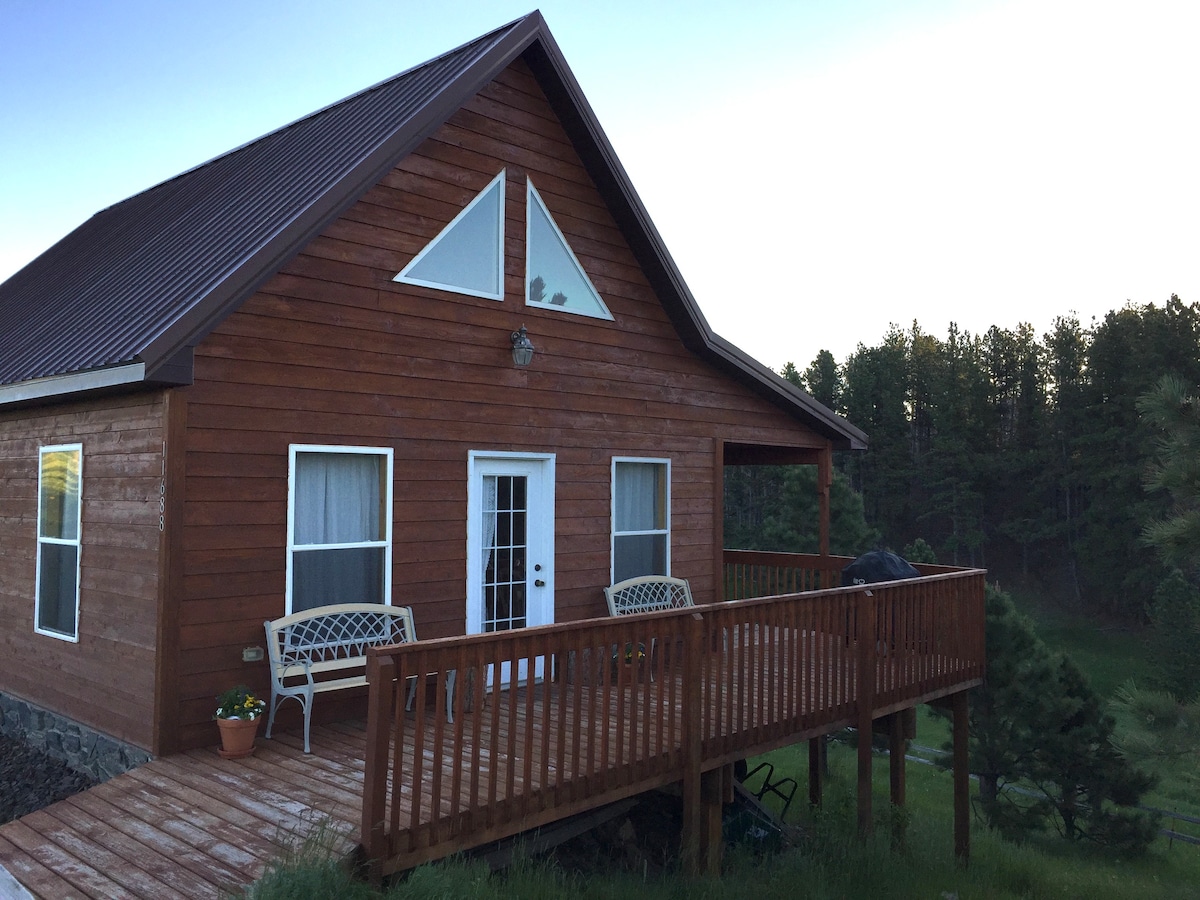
[{"x": 878, "y": 565}]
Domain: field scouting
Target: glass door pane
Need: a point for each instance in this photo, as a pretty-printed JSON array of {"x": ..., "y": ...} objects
[{"x": 505, "y": 583}]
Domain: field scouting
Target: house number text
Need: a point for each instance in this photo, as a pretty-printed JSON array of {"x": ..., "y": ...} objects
[{"x": 162, "y": 492}]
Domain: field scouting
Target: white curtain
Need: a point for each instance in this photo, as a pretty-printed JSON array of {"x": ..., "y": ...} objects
[
  {"x": 488, "y": 544},
  {"x": 338, "y": 501},
  {"x": 638, "y": 497},
  {"x": 337, "y": 498}
]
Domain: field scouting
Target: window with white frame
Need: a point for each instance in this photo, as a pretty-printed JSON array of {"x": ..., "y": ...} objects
[
  {"x": 339, "y": 526},
  {"x": 56, "y": 603},
  {"x": 467, "y": 256},
  {"x": 641, "y": 518},
  {"x": 554, "y": 278}
]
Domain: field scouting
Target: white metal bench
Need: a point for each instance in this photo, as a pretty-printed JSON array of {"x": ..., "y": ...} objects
[
  {"x": 647, "y": 593},
  {"x": 333, "y": 639}
]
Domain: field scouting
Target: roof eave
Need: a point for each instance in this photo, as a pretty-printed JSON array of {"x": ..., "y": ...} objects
[{"x": 53, "y": 387}]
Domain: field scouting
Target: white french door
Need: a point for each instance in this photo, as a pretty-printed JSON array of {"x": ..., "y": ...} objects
[{"x": 510, "y": 544}]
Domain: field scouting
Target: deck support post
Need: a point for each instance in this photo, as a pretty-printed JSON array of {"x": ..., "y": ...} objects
[
  {"x": 864, "y": 776},
  {"x": 692, "y": 786},
  {"x": 816, "y": 769},
  {"x": 896, "y": 748},
  {"x": 715, "y": 786},
  {"x": 962, "y": 780},
  {"x": 381, "y": 677},
  {"x": 866, "y": 705},
  {"x": 896, "y": 772}
]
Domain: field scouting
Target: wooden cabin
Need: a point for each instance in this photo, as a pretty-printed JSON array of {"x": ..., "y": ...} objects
[{"x": 323, "y": 367}]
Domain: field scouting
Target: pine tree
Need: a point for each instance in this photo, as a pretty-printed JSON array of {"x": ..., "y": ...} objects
[
  {"x": 1092, "y": 789},
  {"x": 1175, "y": 637},
  {"x": 1041, "y": 744},
  {"x": 1173, "y": 409}
]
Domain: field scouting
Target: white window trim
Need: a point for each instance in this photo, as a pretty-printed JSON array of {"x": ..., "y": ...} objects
[
  {"x": 403, "y": 278},
  {"x": 72, "y": 638},
  {"x": 532, "y": 196},
  {"x": 385, "y": 543},
  {"x": 612, "y": 528}
]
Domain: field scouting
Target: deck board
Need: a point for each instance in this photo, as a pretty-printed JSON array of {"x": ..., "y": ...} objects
[{"x": 192, "y": 825}]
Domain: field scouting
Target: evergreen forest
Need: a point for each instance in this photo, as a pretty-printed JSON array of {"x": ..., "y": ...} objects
[{"x": 1023, "y": 454}]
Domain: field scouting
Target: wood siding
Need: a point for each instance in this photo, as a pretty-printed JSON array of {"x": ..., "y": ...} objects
[
  {"x": 332, "y": 351},
  {"x": 107, "y": 679}
]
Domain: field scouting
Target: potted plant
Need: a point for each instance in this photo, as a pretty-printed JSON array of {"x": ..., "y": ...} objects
[
  {"x": 632, "y": 655},
  {"x": 238, "y": 711}
]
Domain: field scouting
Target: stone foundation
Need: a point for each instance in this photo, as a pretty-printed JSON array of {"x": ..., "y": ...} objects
[{"x": 80, "y": 747}]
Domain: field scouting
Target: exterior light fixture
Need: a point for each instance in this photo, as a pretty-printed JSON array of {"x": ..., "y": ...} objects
[{"x": 522, "y": 347}]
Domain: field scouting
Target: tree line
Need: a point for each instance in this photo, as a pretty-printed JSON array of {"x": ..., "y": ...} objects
[
  {"x": 1069, "y": 463},
  {"x": 1024, "y": 455}
]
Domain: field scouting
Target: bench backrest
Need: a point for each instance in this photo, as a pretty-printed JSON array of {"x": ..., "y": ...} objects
[
  {"x": 647, "y": 593},
  {"x": 334, "y": 637}
]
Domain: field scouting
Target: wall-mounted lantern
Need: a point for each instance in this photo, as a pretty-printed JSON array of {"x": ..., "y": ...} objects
[{"x": 522, "y": 347}]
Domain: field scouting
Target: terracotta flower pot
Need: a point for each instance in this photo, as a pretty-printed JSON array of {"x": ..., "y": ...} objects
[{"x": 237, "y": 737}]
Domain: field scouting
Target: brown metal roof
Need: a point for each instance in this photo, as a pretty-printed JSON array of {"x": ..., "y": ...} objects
[{"x": 142, "y": 282}]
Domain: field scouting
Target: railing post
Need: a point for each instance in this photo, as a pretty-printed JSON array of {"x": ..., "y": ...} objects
[
  {"x": 381, "y": 678},
  {"x": 866, "y": 704},
  {"x": 693, "y": 801}
]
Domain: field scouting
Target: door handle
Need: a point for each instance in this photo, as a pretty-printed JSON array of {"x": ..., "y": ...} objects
[{"x": 539, "y": 583}]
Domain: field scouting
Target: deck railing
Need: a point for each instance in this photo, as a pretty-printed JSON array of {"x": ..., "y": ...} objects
[
  {"x": 758, "y": 573},
  {"x": 554, "y": 720}
]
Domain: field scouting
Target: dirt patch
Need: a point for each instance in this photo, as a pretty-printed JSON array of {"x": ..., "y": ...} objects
[
  {"x": 646, "y": 840},
  {"x": 643, "y": 841}
]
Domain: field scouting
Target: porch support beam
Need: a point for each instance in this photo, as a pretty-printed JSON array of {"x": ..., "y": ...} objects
[
  {"x": 824, "y": 483},
  {"x": 718, "y": 520}
]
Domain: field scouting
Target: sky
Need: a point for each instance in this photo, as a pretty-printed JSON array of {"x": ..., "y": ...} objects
[{"x": 818, "y": 169}]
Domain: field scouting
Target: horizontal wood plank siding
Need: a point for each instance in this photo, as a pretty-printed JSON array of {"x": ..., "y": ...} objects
[
  {"x": 106, "y": 680},
  {"x": 332, "y": 351}
]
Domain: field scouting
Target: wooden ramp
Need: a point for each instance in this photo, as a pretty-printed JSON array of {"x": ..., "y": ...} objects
[{"x": 192, "y": 825}]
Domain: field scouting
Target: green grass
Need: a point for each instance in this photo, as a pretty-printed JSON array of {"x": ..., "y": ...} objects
[
  {"x": 830, "y": 861},
  {"x": 1109, "y": 654}
]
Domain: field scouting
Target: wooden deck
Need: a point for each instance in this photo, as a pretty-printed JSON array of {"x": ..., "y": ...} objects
[
  {"x": 719, "y": 683},
  {"x": 192, "y": 825},
  {"x": 716, "y": 684}
]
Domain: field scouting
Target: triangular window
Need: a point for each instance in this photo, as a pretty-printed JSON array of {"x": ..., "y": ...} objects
[
  {"x": 467, "y": 257},
  {"x": 553, "y": 276}
]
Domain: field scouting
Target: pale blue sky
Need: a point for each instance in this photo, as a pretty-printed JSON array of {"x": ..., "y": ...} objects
[{"x": 818, "y": 169}]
